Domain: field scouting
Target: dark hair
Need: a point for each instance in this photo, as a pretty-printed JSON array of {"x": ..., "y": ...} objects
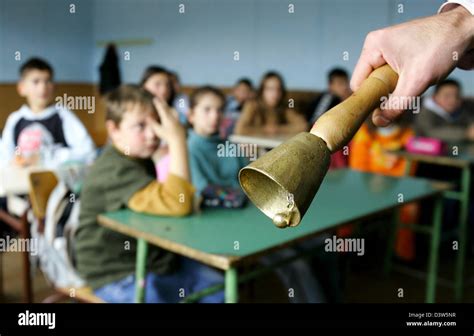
[
  {"x": 245, "y": 81},
  {"x": 337, "y": 72},
  {"x": 155, "y": 70},
  {"x": 447, "y": 82},
  {"x": 267, "y": 76},
  {"x": 281, "y": 107},
  {"x": 203, "y": 90},
  {"x": 175, "y": 75},
  {"x": 118, "y": 101},
  {"x": 35, "y": 64}
]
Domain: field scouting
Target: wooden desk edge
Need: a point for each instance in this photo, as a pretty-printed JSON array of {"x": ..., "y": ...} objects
[{"x": 219, "y": 261}]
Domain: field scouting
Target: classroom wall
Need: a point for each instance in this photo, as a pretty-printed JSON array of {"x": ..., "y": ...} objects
[
  {"x": 200, "y": 43},
  {"x": 47, "y": 28}
]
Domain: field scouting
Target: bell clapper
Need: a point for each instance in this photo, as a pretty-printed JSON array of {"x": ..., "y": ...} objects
[{"x": 283, "y": 219}]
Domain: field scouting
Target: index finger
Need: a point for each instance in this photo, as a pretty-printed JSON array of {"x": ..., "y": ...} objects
[
  {"x": 369, "y": 60},
  {"x": 161, "y": 108}
]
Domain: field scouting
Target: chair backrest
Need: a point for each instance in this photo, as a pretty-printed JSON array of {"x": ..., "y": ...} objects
[{"x": 41, "y": 185}]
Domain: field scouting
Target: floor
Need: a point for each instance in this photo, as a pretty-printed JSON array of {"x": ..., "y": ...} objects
[{"x": 267, "y": 288}]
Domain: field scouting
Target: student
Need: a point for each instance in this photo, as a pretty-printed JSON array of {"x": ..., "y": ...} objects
[
  {"x": 210, "y": 169},
  {"x": 338, "y": 91},
  {"x": 181, "y": 100},
  {"x": 157, "y": 81},
  {"x": 443, "y": 115},
  {"x": 241, "y": 93},
  {"x": 207, "y": 168},
  {"x": 41, "y": 133},
  {"x": 369, "y": 153},
  {"x": 124, "y": 177},
  {"x": 268, "y": 114}
]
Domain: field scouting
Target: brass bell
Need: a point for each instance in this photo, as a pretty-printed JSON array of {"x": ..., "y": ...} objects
[{"x": 283, "y": 182}]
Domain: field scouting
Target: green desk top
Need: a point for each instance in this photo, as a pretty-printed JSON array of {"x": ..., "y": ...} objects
[{"x": 222, "y": 237}]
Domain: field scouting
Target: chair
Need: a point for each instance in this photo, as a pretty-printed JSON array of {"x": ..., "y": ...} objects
[{"x": 41, "y": 185}]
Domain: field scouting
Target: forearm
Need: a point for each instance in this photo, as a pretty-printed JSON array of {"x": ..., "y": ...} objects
[
  {"x": 248, "y": 130},
  {"x": 174, "y": 197},
  {"x": 179, "y": 162}
]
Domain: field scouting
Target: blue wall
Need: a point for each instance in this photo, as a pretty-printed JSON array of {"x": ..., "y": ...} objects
[
  {"x": 46, "y": 28},
  {"x": 200, "y": 43}
]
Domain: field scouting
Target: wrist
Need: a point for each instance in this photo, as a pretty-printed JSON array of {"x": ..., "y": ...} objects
[
  {"x": 178, "y": 140},
  {"x": 462, "y": 20},
  {"x": 449, "y": 5}
]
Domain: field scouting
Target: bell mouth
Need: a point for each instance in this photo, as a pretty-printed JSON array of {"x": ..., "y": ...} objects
[{"x": 270, "y": 197}]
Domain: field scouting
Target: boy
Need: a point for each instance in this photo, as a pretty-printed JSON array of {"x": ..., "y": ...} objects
[
  {"x": 124, "y": 176},
  {"x": 338, "y": 91},
  {"x": 443, "y": 115},
  {"x": 40, "y": 133},
  {"x": 241, "y": 93}
]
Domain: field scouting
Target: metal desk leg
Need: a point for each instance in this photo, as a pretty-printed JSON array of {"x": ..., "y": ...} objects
[
  {"x": 231, "y": 286},
  {"x": 391, "y": 241},
  {"x": 434, "y": 251},
  {"x": 25, "y": 255},
  {"x": 462, "y": 233},
  {"x": 140, "y": 270}
]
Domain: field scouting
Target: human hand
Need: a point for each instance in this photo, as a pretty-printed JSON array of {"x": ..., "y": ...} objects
[{"x": 422, "y": 52}]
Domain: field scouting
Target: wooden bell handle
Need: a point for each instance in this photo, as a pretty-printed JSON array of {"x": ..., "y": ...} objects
[{"x": 338, "y": 125}]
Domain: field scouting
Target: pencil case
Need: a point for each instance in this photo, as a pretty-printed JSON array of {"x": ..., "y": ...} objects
[
  {"x": 423, "y": 145},
  {"x": 215, "y": 196}
]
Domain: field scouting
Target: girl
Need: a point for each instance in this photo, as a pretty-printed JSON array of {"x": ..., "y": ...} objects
[
  {"x": 209, "y": 169},
  {"x": 268, "y": 114},
  {"x": 156, "y": 80}
]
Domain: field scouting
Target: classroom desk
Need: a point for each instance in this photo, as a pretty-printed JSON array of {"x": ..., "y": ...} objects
[
  {"x": 15, "y": 180},
  {"x": 462, "y": 158},
  {"x": 259, "y": 140},
  {"x": 227, "y": 239}
]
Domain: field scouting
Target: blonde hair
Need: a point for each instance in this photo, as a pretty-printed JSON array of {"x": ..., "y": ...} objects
[{"x": 119, "y": 100}]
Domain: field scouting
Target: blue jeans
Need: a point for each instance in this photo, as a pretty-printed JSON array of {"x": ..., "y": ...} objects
[{"x": 191, "y": 277}]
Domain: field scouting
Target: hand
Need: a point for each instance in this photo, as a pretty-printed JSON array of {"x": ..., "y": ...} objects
[
  {"x": 169, "y": 128},
  {"x": 23, "y": 161},
  {"x": 422, "y": 52}
]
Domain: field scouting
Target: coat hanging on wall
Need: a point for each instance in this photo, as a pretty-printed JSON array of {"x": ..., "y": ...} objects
[{"x": 109, "y": 70}]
